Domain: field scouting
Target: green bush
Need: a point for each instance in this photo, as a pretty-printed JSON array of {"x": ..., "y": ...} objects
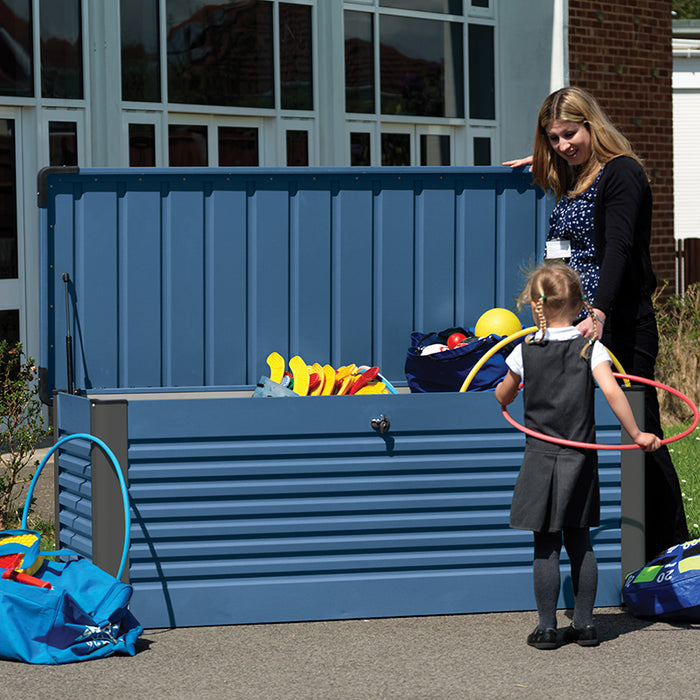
[
  {"x": 22, "y": 427},
  {"x": 678, "y": 362}
]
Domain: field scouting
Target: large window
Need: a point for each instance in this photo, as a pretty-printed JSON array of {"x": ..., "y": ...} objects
[
  {"x": 219, "y": 52},
  {"x": 421, "y": 61},
  {"x": 418, "y": 75},
  {"x": 140, "y": 50},
  {"x": 295, "y": 57},
  {"x": 421, "y": 67},
  {"x": 61, "y": 49},
  {"x": 359, "y": 62},
  {"x": 16, "y": 54},
  {"x": 481, "y": 72}
]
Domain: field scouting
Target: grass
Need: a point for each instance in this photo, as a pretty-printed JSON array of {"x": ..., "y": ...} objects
[{"x": 685, "y": 454}]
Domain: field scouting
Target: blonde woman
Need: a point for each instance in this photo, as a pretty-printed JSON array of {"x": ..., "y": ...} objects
[{"x": 601, "y": 227}]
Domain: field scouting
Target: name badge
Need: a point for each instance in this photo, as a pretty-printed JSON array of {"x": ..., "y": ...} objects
[{"x": 559, "y": 248}]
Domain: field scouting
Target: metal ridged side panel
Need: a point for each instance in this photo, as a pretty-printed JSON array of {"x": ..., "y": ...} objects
[
  {"x": 74, "y": 497},
  {"x": 260, "y": 512}
]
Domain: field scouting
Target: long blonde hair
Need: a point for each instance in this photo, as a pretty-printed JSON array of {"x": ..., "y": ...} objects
[
  {"x": 556, "y": 289},
  {"x": 550, "y": 171}
]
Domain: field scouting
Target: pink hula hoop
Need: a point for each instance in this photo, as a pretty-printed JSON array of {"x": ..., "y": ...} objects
[{"x": 595, "y": 446}]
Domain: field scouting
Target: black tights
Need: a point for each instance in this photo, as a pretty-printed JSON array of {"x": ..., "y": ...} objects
[{"x": 584, "y": 575}]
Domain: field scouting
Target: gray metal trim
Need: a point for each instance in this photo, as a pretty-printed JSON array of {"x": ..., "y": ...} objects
[
  {"x": 108, "y": 421},
  {"x": 632, "y": 487}
]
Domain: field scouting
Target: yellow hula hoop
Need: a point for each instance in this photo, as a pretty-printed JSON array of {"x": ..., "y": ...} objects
[{"x": 509, "y": 339}]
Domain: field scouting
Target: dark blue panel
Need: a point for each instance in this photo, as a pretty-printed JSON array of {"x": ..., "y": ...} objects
[
  {"x": 435, "y": 258},
  {"x": 140, "y": 284},
  {"x": 475, "y": 254},
  {"x": 352, "y": 290},
  {"x": 183, "y": 285},
  {"x": 226, "y": 283},
  {"x": 310, "y": 271},
  {"x": 268, "y": 303},
  {"x": 192, "y": 277},
  {"x": 394, "y": 231},
  {"x": 96, "y": 340}
]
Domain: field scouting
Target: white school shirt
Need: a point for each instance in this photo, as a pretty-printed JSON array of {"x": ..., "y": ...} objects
[{"x": 599, "y": 354}]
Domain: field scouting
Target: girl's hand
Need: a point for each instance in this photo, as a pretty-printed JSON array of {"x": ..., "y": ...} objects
[
  {"x": 518, "y": 162},
  {"x": 648, "y": 442},
  {"x": 508, "y": 389}
]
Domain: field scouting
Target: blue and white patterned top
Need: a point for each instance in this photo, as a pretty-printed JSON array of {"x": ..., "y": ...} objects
[{"x": 572, "y": 220}]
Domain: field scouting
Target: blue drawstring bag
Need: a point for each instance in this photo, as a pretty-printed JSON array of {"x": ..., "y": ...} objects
[
  {"x": 447, "y": 370},
  {"x": 668, "y": 587},
  {"x": 62, "y": 612}
]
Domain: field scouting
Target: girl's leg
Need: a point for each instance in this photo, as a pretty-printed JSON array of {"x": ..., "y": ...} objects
[
  {"x": 584, "y": 574},
  {"x": 546, "y": 577}
]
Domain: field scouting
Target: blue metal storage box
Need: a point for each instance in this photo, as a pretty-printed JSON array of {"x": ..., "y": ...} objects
[{"x": 181, "y": 282}]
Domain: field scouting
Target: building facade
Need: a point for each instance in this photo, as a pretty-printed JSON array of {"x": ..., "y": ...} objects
[
  {"x": 621, "y": 52},
  {"x": 142, "y": 83}
]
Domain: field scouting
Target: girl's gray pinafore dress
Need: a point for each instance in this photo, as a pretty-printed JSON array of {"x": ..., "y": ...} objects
[{"x": 557, "y": 486}]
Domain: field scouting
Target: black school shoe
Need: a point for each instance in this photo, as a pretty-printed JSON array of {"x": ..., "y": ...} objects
[
  {"x": 543, "y": 638},
  {"x": 585, "y": 637}
]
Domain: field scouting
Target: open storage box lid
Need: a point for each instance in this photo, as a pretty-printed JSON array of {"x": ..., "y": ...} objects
[{"x": 167, "y": 278}]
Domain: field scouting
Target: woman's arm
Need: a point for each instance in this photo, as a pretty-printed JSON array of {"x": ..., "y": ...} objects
[
  {"x": 622, "y": 204},
  {"x": 621, "y": 408},
  {"x": 518, "y": 162},
  {"x": 507, "y": 390}
]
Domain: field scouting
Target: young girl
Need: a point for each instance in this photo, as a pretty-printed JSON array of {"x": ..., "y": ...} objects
[{"x": 557, "y": 494}]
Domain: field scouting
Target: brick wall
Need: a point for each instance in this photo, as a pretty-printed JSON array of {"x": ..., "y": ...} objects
[{"x": 620, "y": 50}]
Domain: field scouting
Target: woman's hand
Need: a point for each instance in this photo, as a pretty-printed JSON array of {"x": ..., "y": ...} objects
[
  {"x": 527, "y": 160},
  {"x": 585, "y": 327}
]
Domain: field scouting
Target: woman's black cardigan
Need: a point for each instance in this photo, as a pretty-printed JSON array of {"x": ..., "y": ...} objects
[{"x": 622, "y": 233}]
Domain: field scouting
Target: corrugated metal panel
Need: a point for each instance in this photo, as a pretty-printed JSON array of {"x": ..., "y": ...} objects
[
  {"x": 256, "y": 513},
  {"x": 192, "y": 277},
  {"x": 74, "y": 477}
]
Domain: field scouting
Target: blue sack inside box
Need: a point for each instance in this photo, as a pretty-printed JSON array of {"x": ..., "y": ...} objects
[{"x": 447, "y": 370}]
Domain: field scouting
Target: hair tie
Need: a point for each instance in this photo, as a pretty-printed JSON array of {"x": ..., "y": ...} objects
[
  {"x": 583, "y": 298},
  {"x": 543, "y": 297}
]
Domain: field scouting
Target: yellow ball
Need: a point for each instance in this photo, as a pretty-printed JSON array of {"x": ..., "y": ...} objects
[{"x": 497, "y": 322}]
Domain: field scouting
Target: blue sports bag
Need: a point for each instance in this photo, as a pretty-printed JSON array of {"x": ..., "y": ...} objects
[
  {"x": 668, "y": 587},
  {"x": 62, "y": 611}
]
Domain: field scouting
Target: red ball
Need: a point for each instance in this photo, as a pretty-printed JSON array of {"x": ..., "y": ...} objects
[{"x": 455, "y": 339}]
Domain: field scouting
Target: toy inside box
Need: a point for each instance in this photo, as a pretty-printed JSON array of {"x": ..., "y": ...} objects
[{"x": 173, "y": 288}]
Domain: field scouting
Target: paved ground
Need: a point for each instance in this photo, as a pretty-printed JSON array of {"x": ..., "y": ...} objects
[
  {"x": 441, "y": 657},
  {"x": 444, "y": 657}
]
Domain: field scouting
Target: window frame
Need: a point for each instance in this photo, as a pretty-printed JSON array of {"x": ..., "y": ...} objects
[{"x": 461, "y": 130}]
